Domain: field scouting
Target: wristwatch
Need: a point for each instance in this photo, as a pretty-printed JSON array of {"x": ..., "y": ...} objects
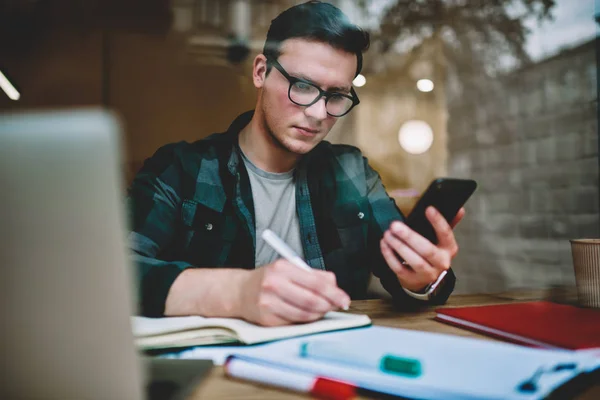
[{"x": 429, "y": 291}]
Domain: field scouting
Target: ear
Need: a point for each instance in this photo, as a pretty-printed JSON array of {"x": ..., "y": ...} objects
[{"x": 259, "y": 71}]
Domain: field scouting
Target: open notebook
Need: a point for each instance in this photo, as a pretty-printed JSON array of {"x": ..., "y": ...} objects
[{"x": 172, "y": 332}]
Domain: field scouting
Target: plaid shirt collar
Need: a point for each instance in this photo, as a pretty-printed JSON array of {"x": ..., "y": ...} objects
[{"x": 245, "y": 205}]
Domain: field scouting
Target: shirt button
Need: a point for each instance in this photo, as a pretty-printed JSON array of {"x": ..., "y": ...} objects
[
  {"x": 208, "y": 227},
  {"x": 361, "y": 215}
]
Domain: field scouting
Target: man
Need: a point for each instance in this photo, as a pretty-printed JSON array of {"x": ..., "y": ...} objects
[{"x": 198, "y": 210}]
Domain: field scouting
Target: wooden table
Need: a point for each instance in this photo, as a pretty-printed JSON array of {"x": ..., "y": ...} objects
[{"x": 217, "y": 386}]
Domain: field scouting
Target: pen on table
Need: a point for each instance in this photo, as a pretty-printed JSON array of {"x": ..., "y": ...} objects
[
  {"x": 345, "y": 355},
  {"x": 286, "y": 251},
  {"x": 273, "y": 374}
]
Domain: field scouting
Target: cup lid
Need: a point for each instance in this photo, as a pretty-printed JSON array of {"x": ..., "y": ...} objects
[{"x": 585, "y": 241}]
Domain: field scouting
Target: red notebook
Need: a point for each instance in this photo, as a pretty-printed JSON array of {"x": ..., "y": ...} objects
[{"x": 538, "y": 324}]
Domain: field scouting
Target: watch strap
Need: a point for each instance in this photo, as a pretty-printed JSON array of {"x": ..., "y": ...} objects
[{"x": 428, "y": 292}]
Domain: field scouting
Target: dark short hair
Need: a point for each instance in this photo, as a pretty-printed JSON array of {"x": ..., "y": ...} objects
[{"x": 315, "y": 20}]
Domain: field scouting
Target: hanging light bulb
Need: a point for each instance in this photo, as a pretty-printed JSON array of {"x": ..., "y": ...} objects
[
  {"x": 359, "y": 81},
  {"x": 425, "y": 85},
  {"x": 415, "y": 136}
]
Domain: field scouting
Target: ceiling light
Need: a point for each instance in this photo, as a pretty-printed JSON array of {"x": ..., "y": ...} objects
[
  {"x": 359, "y": 81},
  {"x": 415, "y": 136},
  {"x": 425, "y": 85}
]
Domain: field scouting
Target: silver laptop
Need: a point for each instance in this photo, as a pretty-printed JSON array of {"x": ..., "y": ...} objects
[{"x": 65, "y": 285}]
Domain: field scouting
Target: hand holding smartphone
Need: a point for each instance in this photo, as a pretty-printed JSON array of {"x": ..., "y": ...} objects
[{"x": 447, "y": 195}]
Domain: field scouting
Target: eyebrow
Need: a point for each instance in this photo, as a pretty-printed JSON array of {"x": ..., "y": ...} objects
[{"x": 329, "y": 89}]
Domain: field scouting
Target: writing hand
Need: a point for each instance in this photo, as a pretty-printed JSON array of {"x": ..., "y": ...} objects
[{"x": 281, "y": 293}]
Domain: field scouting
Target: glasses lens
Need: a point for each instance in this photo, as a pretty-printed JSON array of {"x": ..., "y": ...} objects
[
  {"x": 338, "y": 105},
  {"x": 303, "y": 93}
]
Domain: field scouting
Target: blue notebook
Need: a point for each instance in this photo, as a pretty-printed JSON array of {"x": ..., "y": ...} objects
[{"x": 453, "y": 367}]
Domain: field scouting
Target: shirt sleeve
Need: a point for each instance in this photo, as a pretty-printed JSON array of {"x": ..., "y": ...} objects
[
  {"x": 154, "y": 203},
  {"x": 384, "y": 212}
]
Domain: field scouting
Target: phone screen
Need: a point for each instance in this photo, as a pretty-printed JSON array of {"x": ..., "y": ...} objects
[{"x": 447, "y": 195}]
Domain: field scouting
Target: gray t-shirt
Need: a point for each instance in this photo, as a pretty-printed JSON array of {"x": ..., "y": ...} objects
[{"x": 274, "y": 196}]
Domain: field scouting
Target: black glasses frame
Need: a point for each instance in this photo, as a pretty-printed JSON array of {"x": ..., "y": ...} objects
[{"x": 293, "y": 80}]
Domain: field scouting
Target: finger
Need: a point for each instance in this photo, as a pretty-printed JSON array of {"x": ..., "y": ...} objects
[
  {"x": 300, "y": 297},
  {"x": 412, "y": 238},
  {"x": 442, "y": 229},
  {"x": 392, "y": 259},
  {"x": 433, "y": 255},
  {"x": 323, "y": 287},
  {"x": 273, "y": 320},
  {"x": 459, "y": 216},
  {"x": 320, "y": 283},
  {"x": 286, "y": 311},
  {"x": 412, "y": 257},
  {"x": 268, "y": 306},
  {"x": 408, "y": 277}
]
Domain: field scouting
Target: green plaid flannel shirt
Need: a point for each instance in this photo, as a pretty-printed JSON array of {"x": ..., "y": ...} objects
[{"x": 191, "y": 206}]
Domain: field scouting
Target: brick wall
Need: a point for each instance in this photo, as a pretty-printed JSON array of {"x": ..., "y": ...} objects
[{"x": 532, "y": 145}]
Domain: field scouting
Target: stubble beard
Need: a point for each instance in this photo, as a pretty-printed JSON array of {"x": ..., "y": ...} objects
[
  {"x": 276, "y": 140},
  {"x": 278, "y": 143}
]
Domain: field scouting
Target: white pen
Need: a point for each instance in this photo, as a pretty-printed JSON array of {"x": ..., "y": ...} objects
[{"x": 284, "y": 250}]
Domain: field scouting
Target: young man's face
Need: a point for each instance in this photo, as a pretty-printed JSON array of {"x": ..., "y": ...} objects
[{"x": 296, "y": 128}]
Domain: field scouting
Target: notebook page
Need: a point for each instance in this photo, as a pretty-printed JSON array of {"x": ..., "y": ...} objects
[
  {"x": 246, "y": 332},
  {"x": 193, "y": 337},
  {"x": 143, "y": 326},
  {"x": 250, "y": 333}
]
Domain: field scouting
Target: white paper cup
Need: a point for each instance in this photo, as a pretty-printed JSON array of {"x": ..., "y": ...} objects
[{"x": 586, "y": 263}]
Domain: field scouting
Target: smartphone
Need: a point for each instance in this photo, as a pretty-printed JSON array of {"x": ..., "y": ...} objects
[{"x": 447, "y": 195}]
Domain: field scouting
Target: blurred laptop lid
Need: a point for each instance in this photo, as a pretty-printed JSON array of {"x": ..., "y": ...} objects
[{"x": 66, "y": 298}]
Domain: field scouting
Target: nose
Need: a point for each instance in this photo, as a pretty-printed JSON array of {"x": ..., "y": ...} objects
[{"x": 317, "y": 111}]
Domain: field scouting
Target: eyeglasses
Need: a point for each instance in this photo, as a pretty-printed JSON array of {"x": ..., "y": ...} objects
[{"x": 305, "y": 93}]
